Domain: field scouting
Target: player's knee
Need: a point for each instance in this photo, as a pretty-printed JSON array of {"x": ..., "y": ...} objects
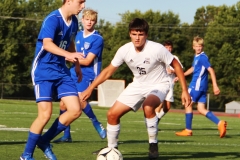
[
  {"x": 44, "y": 118},
  {"x": 76, "y": 114},
  {"x": 111, "y": 116}
]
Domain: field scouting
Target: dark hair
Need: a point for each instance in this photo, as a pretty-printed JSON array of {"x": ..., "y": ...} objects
[
  {"x": 138, "y": 24},
  {"x": 168, "y": 43}
]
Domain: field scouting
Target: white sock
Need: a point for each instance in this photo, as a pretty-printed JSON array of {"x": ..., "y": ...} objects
[
  {"x": 152, "y": 129},
  {"x": 161, "y": 114},
  {"x": 112, "y": 135}
]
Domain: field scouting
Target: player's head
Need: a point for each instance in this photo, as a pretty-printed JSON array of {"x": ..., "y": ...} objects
[
  {"x": 168, "y": 45},
  {"x": 74, "y": 6},
  {"x": 89, "y": 18},
  {"x": 138, "y": 31},
  {"x": 198, "y": 44}
]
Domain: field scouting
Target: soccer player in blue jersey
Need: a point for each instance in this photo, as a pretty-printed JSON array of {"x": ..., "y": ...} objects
[
  {"x": 90, "y": 43},
  {"x": 49, "y": 73},
  {"x": 198, "y": 89}
]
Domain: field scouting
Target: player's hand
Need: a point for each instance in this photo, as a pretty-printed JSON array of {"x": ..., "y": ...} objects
[
  {"x": 85, "y": 94},
  {"x": 216, "y": 90},
  {"x": 175, "y": 79},
  {"x": 169, "y": 71},
  {"x": 73, "y": 57},
  {"x": 186, "y": 99}
]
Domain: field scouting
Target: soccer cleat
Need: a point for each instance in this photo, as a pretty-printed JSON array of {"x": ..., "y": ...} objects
[
  {"x": 153, "y": 151},
  {"x": 100, "y": 129},
  {"x": 63, "y": 139},
  {"x": 47, "y": 150},
  {"x": 222, "y": 127},
  {"x": 26, "y": 157},
  {"x": 97, "y": 151},
  {"x": 184, "y": 132}
]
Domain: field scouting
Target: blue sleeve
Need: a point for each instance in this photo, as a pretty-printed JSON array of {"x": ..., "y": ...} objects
[
  {"x": 49, "y": 28},
  {"x": 205, "y": 62},
  {"x": 97, "y": 46}
]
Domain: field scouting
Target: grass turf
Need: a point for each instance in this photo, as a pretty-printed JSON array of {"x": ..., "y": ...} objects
[{"x": 16, "y": 117}]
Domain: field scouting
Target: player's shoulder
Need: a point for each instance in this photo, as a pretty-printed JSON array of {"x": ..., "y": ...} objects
[
  {"x": 203, "y": 55},
  {"x": 97, "y": 35},
  {"x": 154, "y": 45},
  {"x": 126, "y": 46}
]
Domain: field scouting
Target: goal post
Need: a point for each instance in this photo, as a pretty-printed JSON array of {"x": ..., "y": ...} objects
[{"x": 109, "y": 91}]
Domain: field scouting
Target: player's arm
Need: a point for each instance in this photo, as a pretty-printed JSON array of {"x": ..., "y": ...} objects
[
  {"x": 78, "y": 70},
  {"x": 88, "y": 60},
  {"x": 189, "y": 71},
  {"x": 216, "y": 90},
  {"x": 51, "y": 47},
  {"x": 186, "y": 99},
  {"x": 103, "y": 76}
]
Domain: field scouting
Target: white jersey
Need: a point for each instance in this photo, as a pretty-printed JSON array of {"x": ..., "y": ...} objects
[
  {"x": 173, "y": 75},
  {"x": 147, "y": 66}
]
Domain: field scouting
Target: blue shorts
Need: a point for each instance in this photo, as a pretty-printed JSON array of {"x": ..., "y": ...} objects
[
  {"x": 198, "y": 96},
  {"x": 83, "y": 85},
  {"x": 46, "y": 90}
]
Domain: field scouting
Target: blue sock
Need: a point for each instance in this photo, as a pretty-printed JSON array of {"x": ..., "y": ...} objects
[
  {"x": 188, "y": 118},
  {"x": 67, "y": 133},
  {"x": 212, "y": 117},
  {"x": 89, "y": 112},
  {"x": 53, "y": 131},
  {"x": 31, "y": 143}
]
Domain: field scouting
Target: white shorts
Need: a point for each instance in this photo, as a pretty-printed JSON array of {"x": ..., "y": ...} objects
[
  {"x": 135, "y": 93},
  {"x": 169, "y": 96}
]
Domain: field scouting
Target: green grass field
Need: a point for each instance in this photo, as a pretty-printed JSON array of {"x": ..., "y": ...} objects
[{"x": 17, "y": 116}]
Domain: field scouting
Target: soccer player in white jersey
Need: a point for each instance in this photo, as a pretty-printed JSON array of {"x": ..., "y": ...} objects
[
  {"x": 147, "y": 60},
  {"x": 90, "y": 43},
  {"x": 198, "y": 89},
  {"x": 50, "y": 73},
  {"x": 164, "y": 107}
]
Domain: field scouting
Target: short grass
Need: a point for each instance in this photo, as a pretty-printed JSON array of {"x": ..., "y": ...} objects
[{"x": 16, "y": 117}]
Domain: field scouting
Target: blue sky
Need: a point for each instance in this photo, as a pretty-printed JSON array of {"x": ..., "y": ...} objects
[{"x": 110, "y": 9}]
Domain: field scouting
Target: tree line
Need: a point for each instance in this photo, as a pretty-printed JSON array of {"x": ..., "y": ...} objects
[{"x": 20, "y": 21}]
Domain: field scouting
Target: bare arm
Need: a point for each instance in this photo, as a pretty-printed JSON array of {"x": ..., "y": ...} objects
[
  {"x": 189, "y": 71},
  {"x": 88, "y": 60},
  {"x": 103, "y": 76},
  {"x": 216, "y": 90},
  {"x": 49, "y": 46}
]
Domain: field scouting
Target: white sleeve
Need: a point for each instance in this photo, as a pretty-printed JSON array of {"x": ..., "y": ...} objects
[
  {"x": 164, "y": 55},
  {"x": 178, "y": 60},
  {"x": 118, "y": 58}
]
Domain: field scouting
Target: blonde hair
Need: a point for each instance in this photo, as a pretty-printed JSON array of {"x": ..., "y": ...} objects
[
  {"x": 198, "y": 41},
  {"x": 90, "y": 13}
]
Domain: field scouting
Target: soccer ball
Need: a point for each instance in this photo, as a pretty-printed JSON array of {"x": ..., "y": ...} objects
[{"x": 109, "y": 154}]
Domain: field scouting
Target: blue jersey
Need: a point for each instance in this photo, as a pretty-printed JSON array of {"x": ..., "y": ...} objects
[
  {"x": 48, "y": 66},
  {"x": 91, "y": 43},
  {"x": 200, "y": 73}
]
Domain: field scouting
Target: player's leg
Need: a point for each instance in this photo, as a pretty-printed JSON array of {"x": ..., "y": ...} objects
[
  {"x": 67, "y": 92},
  {"x": 222, "y": 125},
  {"x": 113, "y": 123},
  {"x": 44, "y": 114},
  {"x": 154, "y": 97},
  {"x": 130, "y": 99},
  {"x": 87, "y": 109},
  {"x": 44, "y": 104},
  {"x": 67, "y": 134},
  {"x": 189, "y": 115},
  {"x": 151, "y": 120}
]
